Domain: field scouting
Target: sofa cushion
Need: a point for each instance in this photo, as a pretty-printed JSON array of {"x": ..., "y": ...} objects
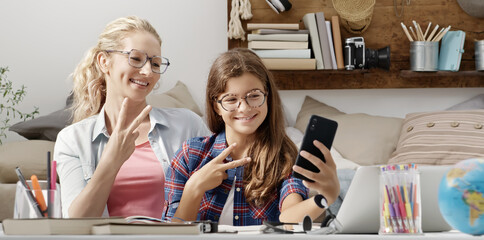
[
  {"x": 362, "y": 138},
  {"x": 7, "y": 198},
  {"x": 177, "y": 97},
  {"x": 30, "y": 156},
  {"x": 444, "y": 137},
  {"x": 47, "y": 127}
]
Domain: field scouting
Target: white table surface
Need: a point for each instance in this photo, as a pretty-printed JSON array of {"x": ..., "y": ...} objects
[{"x": 249, "y": 235}]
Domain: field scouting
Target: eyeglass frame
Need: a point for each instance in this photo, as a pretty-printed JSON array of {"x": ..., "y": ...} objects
[
  {"x": 244, "y": 98},
  {"x": 147, "y": 58}
]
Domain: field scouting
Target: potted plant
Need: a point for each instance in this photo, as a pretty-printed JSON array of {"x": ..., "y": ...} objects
[{"x": 10, "y": 98}]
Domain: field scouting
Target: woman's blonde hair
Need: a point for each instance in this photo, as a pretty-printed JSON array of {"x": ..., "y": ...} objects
[
  {"x": 89, "y": 83},
  {"x": 272, "y": 152}
]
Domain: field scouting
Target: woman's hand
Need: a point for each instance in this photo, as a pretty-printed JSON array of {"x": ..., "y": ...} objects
[
  {"x": 326, "y": 180},
  {"x": 213, "y": 173},
  {"x": 121, "y": 143}
]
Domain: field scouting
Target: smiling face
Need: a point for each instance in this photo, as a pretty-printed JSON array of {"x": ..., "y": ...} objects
[
  {"x": 245, "y": 120},
  {"x": 124, "y": 80}
]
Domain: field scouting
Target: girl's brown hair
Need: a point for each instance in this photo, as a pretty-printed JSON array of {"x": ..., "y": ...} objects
[{"x": 272, "y": 152}]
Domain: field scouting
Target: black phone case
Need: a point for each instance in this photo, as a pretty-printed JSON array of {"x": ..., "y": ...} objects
[{"x": 321, "y": 129}]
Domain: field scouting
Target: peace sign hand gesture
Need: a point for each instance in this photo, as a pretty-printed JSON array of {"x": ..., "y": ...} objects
[
  {"x": 121, "y": 143},
  {"x": 213, "y": 173}
]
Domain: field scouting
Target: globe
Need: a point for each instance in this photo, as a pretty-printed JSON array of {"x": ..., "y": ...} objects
[{"x": 461, "y": 199}]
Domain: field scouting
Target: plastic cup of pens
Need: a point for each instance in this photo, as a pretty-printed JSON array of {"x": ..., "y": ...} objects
[
  {"x": 400, "y": 211},
  {"x": 37, "y": 203}
]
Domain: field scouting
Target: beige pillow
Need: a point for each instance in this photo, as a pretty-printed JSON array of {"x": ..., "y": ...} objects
[
  {"x": 361, "y": 138},
  {"x": 310, "y": 107},
  {"x": 177, "y": 97},
  {"x": 440, "y": 138},
  {"x": 30, "y": 156}
]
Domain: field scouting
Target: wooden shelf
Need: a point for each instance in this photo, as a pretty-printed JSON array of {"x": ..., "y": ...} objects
[
  {"x": 376, "y": 78},
  {"x": 412, "y": 74},
  {"x": 384, "y": 31}
]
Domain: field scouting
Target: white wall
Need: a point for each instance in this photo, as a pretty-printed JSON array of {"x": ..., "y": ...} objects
[{"x": 43, "y": 40}]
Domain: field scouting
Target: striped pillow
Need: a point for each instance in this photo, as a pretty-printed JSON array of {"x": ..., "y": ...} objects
[{"x": 440, "y": 138}]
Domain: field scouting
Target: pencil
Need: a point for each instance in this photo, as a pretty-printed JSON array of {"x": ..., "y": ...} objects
[
  {"x": 442, "y": 34},
  {"x": 413, "y": 34},
  {"x": 427, "y": 31},
  {"x": 433, "y": 32},
  {"x": 438, "y": 34},
  {"x": 406, "y": 32}
]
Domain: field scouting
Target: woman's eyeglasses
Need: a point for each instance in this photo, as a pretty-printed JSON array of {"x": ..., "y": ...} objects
[
  {"x": 254, "y": 99},
  {"x": 138, "y": 59}
]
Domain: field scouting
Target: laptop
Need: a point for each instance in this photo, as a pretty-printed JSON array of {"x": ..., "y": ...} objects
[{"x": 360, "y": 213}]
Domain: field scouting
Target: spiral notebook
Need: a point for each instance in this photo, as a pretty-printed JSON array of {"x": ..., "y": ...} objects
[{"x": 360, "y": 213}]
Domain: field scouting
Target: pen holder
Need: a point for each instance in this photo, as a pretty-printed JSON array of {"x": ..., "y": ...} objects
[
  {"x": 400, "y": 211},
  {"x": 24, "y": 206},
  {"x": 479, "y": 51},
  {"x": 424, "y": 56}
]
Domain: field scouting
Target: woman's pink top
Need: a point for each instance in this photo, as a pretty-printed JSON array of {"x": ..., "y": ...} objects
[{"x": 139, "y": 186}]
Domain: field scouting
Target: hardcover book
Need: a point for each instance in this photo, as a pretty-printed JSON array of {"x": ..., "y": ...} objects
[
  {"x": 289, "y": 63},
  {"x": 148, "y": 228},
  {"x": 338, "y": 44},
  {"x": 278, "y": 37},
  {"x": 323, "y": 40},
  {"x": 54, "y": 226},
  {"x": 310, "y": 22},
  {"x": 277, "y": 45},
  {"x": 284, "y": 53},
  {"x": 279, "y": 31},
  {"x": 287, "y": 26}
]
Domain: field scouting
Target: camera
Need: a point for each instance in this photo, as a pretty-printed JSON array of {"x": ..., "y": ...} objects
[{"x": 357, "y": 56}]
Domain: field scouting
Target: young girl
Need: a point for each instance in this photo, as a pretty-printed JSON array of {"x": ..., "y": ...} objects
[
  {"x": 241, "y": 175},
  {"x": 112, "y": 160}
]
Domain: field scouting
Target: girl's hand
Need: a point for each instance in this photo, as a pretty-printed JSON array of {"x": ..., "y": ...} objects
[
  {"x": 213, "y": 173},
  {"x": 121, "y": 143},
  {"x": 326, "y": 180}
]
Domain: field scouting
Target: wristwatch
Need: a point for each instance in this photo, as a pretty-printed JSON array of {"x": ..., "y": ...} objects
[{"x": 321, "y": 201}]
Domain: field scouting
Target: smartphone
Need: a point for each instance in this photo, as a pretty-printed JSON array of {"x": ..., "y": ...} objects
[{"x": 321, "y": 129}]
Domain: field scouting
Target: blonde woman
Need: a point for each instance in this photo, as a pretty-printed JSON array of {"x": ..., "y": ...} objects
[
  {"x": 112, "y": 160},
  {"x": 242, "y": 175}
]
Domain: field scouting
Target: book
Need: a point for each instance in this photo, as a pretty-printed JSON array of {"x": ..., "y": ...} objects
[
  {"x": 451, "y": 50},
  {"x": 323, "y": 40},
  {"x": 338, "y": 44},
  {"x": 331, "y": 46},
  {"x": 277, "y": 45},
  {"x": 286, "y": 26},
  {"x": 54, "y": 226},
  {"x": 278, "y": 37},
  {"x": 148, "y": 228},
  {"x": 310, "y": 22},
  {"x": 284, "y": 53},
  {"x": 289, "y": 63},
  {"x": 279, "y": 31}
]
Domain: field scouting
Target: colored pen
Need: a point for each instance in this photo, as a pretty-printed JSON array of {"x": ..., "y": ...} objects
[
  {"x": 38, "y": 194},
  {"x": 30, "y": 196},
  {"x": 49, "y": 198}
]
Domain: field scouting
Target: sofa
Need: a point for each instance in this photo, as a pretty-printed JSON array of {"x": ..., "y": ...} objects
[{"x": 431, "y": 138}]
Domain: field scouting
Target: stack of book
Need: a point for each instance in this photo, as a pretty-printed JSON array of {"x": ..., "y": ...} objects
[
  {"x": 325, "y": 39},
  {"x": 281, "y": 46}
]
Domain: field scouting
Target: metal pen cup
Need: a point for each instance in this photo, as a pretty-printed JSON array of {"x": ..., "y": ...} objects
[
  {"x": 479, "y": 52},
  {"x": 424, "y": 56}
]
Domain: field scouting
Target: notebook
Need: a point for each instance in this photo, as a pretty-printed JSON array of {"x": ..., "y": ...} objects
[
  {"x": 451, "y": 50},
  {"x": 359, "y": 212}
]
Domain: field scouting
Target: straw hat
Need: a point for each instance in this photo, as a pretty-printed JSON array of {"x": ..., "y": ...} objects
[{"x": 355, "y": 14}]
